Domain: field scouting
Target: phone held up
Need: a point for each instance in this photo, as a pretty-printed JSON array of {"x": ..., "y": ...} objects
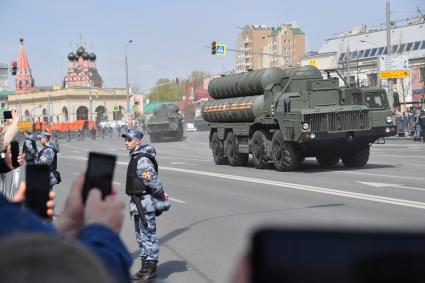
[
  {"x": 333, "y": 256},
  {"x": 37, "y": 188},
  {"x": 99, "y": 174},
  {"x": 14, "y": 153},
  {"x": 7, "y": 115}
]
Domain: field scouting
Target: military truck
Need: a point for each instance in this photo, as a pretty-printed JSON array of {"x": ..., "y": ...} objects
[
  {"x": 283, "y": 116},
  {"x": 166, "y": 121}
]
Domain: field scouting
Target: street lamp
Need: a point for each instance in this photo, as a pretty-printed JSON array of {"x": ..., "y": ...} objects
[{"x": 126, "y": 76}]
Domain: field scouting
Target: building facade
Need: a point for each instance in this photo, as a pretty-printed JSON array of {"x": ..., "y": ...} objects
[
  {"x": 264, "y": 47},
  {"x": 70, "y": 104},
  {"x": 355, "y": 53},
  {"x": 4, "y": 77}
]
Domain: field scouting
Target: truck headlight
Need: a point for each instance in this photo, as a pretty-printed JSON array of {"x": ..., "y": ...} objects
[
  {"x": 305, "y": 126},
  {"x": 389, "y": 120}
]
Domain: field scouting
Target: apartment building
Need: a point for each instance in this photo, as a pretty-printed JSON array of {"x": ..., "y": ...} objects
[{"x": 264, "y": 47}]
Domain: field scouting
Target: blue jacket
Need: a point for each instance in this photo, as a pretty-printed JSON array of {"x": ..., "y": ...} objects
[{"x": 98, "y": 238}]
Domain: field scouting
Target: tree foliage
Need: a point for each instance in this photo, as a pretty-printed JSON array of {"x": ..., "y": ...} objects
[
  {"x": 197, "y": 77},
  {"x": 166, "y": 90}
]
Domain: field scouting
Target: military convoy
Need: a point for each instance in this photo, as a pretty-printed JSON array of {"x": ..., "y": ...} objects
[
  {"x": 283, "y": 116},
  {"x": 166, "y": 121}
]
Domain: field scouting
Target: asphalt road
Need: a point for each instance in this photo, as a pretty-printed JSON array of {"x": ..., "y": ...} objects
[{"x": 216, "y": 208}]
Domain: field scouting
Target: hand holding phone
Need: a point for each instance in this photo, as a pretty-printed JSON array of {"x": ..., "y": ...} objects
[
  {"x": 37, "y": 188},
  {"x": 99, "y": 174}
]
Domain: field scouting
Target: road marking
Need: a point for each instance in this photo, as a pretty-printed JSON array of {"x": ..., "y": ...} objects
[
  {"x": 394, "y": 155},
  {"x": 398, "y": 163},
  {"x": 116, "y": 183},
  {"x": 379, "y": 175},
  {"x": 177, "y": 200},
  {"x": 76, "y": 173},
  {"x": 369, "y": 197},
  {"x": 76, "y": 151},
  {"x": 385, "y": 185}
]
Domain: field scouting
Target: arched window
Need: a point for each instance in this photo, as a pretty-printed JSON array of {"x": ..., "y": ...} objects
[
  {"x": 82, "y": 113},
  {"x": 100, "y": 113},
  {"x": 65, "y": 114}
]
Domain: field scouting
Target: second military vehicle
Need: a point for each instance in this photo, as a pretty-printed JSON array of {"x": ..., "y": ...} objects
[
  {"x": 283, "y": 116},
  {"x": 166, "y": 121}
]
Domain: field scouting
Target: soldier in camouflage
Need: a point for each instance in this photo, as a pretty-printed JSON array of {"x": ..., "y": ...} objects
[
  {"x": 48, "y": 155},
  {"x": 143, "y": 185},
  {"x": 30, "y": 148}
]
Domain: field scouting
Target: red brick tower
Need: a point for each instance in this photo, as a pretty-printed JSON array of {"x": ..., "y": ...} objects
[{"x": 24, "y": 80}]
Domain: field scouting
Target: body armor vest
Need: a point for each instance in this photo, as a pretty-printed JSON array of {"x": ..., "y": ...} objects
[
  {"x": 54, "y": 164},
  {"x": 134, "y": 185}
]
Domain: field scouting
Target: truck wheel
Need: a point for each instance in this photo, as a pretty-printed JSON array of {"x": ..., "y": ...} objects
[
  {"x": 259, "y": 152},
  {"x": 285, "y": 158},
  {"x": 328, "y": 159},
  {"x": 217, "y": 150},
  {"x": 234, "y": 157},
  {"x": 357, "y": 158}
]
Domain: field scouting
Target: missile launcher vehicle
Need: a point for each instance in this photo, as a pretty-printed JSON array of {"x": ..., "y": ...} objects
[{"x": 281, "y": 117}]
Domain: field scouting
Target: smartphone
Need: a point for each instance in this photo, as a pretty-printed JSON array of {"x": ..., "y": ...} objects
[
  {"x": 14, "y": 145},
  {"x": 302, "y": 255},
  {"x": 7, "y": 114},
  {"x": 99, "y": 174},
  {"x": 37, "y": 188}
]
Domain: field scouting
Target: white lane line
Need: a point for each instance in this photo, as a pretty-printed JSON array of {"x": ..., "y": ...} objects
[
  {"x": 76, "y": 151},
  {"x": 116, "y": 183},
  {"x": 404, "y": 156},
  {"x": 369, "y": 197},
  {"x": 177, "y": 200},
  {"x": 379, "y": 175},
  {"x": 397, "y": 163},
  {"x": 76, "y": 173}
]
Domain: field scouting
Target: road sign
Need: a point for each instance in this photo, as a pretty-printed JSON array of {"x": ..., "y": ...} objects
[
  {"x": 397, "y": 74},
  {"x": 221, "y": 49},
  {"x": 313, "y": 62},
  {"x": 116, "y": 108}
]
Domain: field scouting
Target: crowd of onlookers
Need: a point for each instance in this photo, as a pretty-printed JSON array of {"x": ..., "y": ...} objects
[{"x": 409, "y": 123}]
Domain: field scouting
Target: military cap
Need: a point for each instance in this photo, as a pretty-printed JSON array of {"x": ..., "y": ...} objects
[{"x": 133, "y": 133}]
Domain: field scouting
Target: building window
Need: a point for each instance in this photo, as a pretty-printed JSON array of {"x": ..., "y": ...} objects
[
  {"x": 409, "y": 46},
  {"x": 353, "y": 55},
  {"x": 3, "y": 105},
  {"x": 366, "y": 53},
  {"x": 360, "y": 54},
  {"x": 423, "y": 45},
  {"x": 422, "y": 74},
  {"x": 416, "y": 45},
  {"x": 373, "y": 52},
  {"x": 341, "y": 57},
  {"x": 401, "y": 49},
  {"x": 380, "y": 50}
]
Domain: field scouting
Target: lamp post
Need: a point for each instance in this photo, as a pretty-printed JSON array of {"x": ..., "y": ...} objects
[{"x": 126, "y": 76}]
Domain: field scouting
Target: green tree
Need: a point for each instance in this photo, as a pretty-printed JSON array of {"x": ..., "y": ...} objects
[{"x": 166, "y": 90}]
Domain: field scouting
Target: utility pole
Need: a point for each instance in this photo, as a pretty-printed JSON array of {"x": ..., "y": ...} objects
[
  {"x": 126, "y": 77},
  {"x": 390, "y": 81}
]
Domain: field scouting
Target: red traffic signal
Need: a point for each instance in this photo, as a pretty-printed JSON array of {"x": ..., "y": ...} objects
[
  {"x": 14, "y": 68},
  {"x": 213, "y": 48}
]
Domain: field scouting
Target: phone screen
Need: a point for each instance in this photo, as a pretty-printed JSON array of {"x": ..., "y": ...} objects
[
  {"x": 37, "y": 188},
  {"x": 99, "y": 174},
  {"x": 15, "y": 153},
  {"x": 7, "y": 114},
  {"x": 290, "y": 255}
]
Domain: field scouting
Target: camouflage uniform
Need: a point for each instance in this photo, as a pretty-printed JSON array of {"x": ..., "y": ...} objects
[
  {"x": 146, "y": 236},
  {"x": 30, "y": 149},
  {"x": 47, "y": 156}
]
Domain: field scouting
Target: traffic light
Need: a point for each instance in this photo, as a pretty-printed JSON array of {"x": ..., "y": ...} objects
[
  {"x": 213, "y": 48},
  {"x": 14, "y": 68}
]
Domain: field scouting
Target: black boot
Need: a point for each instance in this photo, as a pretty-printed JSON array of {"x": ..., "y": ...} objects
[
  {"x": 150, "y": 271},
  {"x": 139, "y": 274}
]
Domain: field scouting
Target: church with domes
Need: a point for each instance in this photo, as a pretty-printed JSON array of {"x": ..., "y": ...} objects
[{"x": 82, "y": 70}]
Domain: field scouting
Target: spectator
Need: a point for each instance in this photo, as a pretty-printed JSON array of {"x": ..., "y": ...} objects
[{"x": 95, "y": 225}]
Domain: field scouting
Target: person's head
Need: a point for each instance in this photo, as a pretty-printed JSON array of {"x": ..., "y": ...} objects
[
  {"x": 26, "y": 134},
  {"x": 44, "y": 137},
  {"x": 42, "y": 258},
  {"x": 133, "y": 139}
]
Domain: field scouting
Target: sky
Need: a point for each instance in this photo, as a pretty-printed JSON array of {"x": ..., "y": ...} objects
[{"x": 170, "y": 38}]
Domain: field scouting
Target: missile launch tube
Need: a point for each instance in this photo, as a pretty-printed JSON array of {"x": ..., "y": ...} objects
[{"x": 245, "y": 84}]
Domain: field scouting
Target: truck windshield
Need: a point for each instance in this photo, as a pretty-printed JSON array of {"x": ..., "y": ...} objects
[{"x": 375, "y": 100}]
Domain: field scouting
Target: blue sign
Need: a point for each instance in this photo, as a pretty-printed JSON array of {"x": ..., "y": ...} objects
[{"x": 221, "y": 49}]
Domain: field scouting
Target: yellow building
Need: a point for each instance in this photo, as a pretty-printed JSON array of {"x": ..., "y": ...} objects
[{"x": 70, "y": 104}]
